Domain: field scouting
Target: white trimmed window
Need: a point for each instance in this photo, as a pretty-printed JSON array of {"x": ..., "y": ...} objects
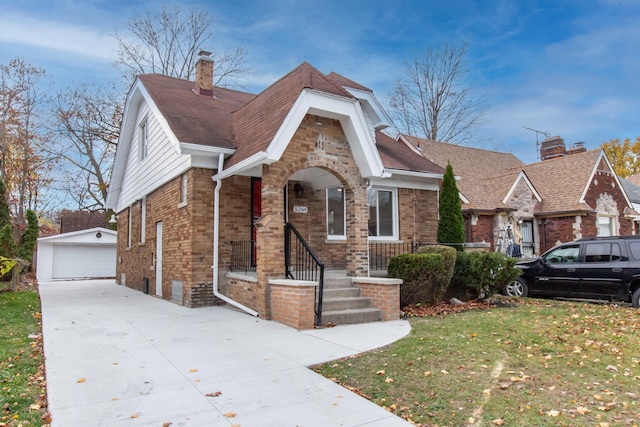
[
  {"x": 383, "y": 213},
  {"x": 142, "y": 138},
  {"x": 336, "y": 218},
  {"x": 606, "y": 225}
]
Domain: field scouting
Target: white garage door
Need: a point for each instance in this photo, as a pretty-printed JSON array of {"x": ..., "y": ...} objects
[{"x": 83, "y": 261}]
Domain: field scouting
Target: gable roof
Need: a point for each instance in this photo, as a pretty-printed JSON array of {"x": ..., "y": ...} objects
[
  {"x": 240, "y": 132},
  {"x": 563, "y": 181},
  {"x": 396, "y": 155},
  {"x": 190, "y": 115},
  {"x": 485, "y": 176},
  {"x": 257, "y": 122}
]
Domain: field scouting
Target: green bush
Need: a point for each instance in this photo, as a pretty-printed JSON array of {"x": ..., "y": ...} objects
[
  {"x": 482, "y": 274},
  {"x": 448, "y": 255},
  {"x": 425, "y": 277}
]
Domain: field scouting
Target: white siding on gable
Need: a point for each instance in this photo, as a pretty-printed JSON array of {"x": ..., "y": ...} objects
[{"x": 161, "y": 164}]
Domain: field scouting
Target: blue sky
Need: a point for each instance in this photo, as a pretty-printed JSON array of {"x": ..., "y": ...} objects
[{"x": 567, "y": 67}]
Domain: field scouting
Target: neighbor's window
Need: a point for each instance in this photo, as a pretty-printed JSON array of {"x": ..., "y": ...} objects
[
  {"x": 382, "y": 213},
  {"x": 183, "y": 189},
  {"x": 142, "y": 138},
  {"x": 336, "y": 213},
  {"x": 606, "y": 225}
]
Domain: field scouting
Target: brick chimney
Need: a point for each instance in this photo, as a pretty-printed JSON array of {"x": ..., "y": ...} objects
[
  {"x": 204, "y": 74},
  {"x": 552, "y": 147},
  {"x": 576, "y": 148}
]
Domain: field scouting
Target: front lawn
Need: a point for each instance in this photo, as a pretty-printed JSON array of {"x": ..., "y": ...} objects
[
  {"x": 22, "y": 382},
  {"x": 540, "y": 363}
]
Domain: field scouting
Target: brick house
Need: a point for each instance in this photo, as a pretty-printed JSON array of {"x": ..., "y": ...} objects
[
  {"x": 570, "y": 194},
  {"x": 206, "y": 181}
]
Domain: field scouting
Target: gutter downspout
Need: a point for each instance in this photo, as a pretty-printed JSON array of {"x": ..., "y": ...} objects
[{"x": 216, "y": 233}]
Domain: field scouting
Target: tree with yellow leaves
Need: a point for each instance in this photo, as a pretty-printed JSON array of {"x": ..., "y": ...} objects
[{"x": 624, "y": 156}]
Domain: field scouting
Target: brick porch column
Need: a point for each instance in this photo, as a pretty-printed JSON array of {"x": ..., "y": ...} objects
[{"x": 357, "y": 231}]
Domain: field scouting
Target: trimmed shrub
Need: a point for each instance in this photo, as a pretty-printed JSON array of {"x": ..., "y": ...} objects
[
  {"x": 425, "y": 277},
  {"x": 482, "y": 274},
  {"x": 448, "y": 253}
]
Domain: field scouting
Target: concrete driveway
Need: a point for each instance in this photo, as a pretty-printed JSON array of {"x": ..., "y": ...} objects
[{"x": 117, "y": 357}]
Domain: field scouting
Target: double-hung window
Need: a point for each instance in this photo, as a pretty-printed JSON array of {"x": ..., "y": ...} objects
[{"x": 383, "y": 213}]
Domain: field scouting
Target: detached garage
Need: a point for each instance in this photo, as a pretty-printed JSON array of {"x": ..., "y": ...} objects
[{"x": 81, "y": 254}]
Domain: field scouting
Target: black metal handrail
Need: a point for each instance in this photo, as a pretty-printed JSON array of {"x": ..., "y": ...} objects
[
  {"x": 243, "y": 255},
  {"x": 301, "y": 263},
  {"x": 381, "y": 252}
]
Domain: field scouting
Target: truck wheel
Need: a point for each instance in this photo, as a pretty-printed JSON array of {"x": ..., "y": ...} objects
[
  {"x": 635, "y": 298},
  {"x": 516, "y": 288}
]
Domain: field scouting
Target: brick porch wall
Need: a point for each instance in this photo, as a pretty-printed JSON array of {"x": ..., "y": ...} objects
[{"x": 384, "y": 294}]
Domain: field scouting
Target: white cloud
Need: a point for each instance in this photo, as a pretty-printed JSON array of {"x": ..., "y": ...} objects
[{"x": 21, "y": 30}]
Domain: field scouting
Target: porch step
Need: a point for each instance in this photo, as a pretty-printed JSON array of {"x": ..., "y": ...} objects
[
  {"x": 351, "y": 316},
  {"x": 340, "y": 293},
  {"x": 344, "y": 303}
]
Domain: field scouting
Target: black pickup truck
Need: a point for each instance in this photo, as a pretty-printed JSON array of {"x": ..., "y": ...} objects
[{"x": 606, "y": 268}]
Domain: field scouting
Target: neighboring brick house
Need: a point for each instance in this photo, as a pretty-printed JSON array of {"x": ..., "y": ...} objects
[
  {"x": 205, "y": 179},
  {"x": 568, "y": 195}
]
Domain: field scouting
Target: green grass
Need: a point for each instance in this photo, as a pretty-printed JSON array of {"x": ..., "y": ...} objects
[
  {"x": 22, "y": 393},
  {"x": 542, "y": 363}
]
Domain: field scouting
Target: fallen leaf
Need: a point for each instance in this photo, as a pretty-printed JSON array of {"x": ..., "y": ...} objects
[
  {"x": 134, "y": 416},
  {"x": 380, "y": 372},
  {"x": 34, "y": 407},
  {"x": 167, "y": 424},
  {"x": 427, "y": 373},
  {"x": 553, "y": 413},
  {"x": 214, "y": 394},
  {"x": 193, "y": 370},
  {"x": 230, "y": 414},
  {"x": 388, "y": 380},
  {"x": 498, "y": 421},
  {"x": 444, "y": 372},
  {"x": 81, "y": 380},
  {"x": 582, "y": 410}
]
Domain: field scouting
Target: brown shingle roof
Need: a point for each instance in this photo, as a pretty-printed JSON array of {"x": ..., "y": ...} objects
[
  {"x": 248, "y": 123},
  {"x": 257, "y": 122},
  {"x": 342, "y": 81},
  {"x": 196, "y": 119},
  {"x": 561, "y": 181},
  {"x": 474, "y": 166},
  {"x": 396, "y": 155}
]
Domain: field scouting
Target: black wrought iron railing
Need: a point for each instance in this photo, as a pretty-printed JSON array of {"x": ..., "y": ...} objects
[
  {"x": 243, "y": 255},
  {"x": 301, "y": 263},
  {"x": 381, "y": 252}
]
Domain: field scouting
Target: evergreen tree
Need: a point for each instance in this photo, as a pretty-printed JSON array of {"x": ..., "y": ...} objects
[
  {"x": 29, "y": 237},
  {"x": 7, "y": 244},
  {"x": 451, "y": 223},
  {"x": 5, "y": 213}
]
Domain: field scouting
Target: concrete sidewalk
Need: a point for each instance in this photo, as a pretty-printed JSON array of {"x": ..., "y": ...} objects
[{"x": 117, "y": 357}]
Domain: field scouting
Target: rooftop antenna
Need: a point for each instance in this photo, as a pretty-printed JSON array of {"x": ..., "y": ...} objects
[{"x": 538, "y": 132}]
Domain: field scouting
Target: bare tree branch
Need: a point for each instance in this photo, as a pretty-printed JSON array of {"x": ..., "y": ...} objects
[
  {"x": 431, "y": 99},
  {"x": 168, "y": 43}
]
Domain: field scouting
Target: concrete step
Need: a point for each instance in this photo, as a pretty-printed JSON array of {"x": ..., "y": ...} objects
[
  {"x": 345, "y": 303},
  {"x": 333, "y": 282},
  {"x": 352, "y": 316},
  {"x": 341, "y": 292}
]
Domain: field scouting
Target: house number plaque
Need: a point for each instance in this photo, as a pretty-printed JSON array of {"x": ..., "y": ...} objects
[{"x": 300, "y": 209}]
